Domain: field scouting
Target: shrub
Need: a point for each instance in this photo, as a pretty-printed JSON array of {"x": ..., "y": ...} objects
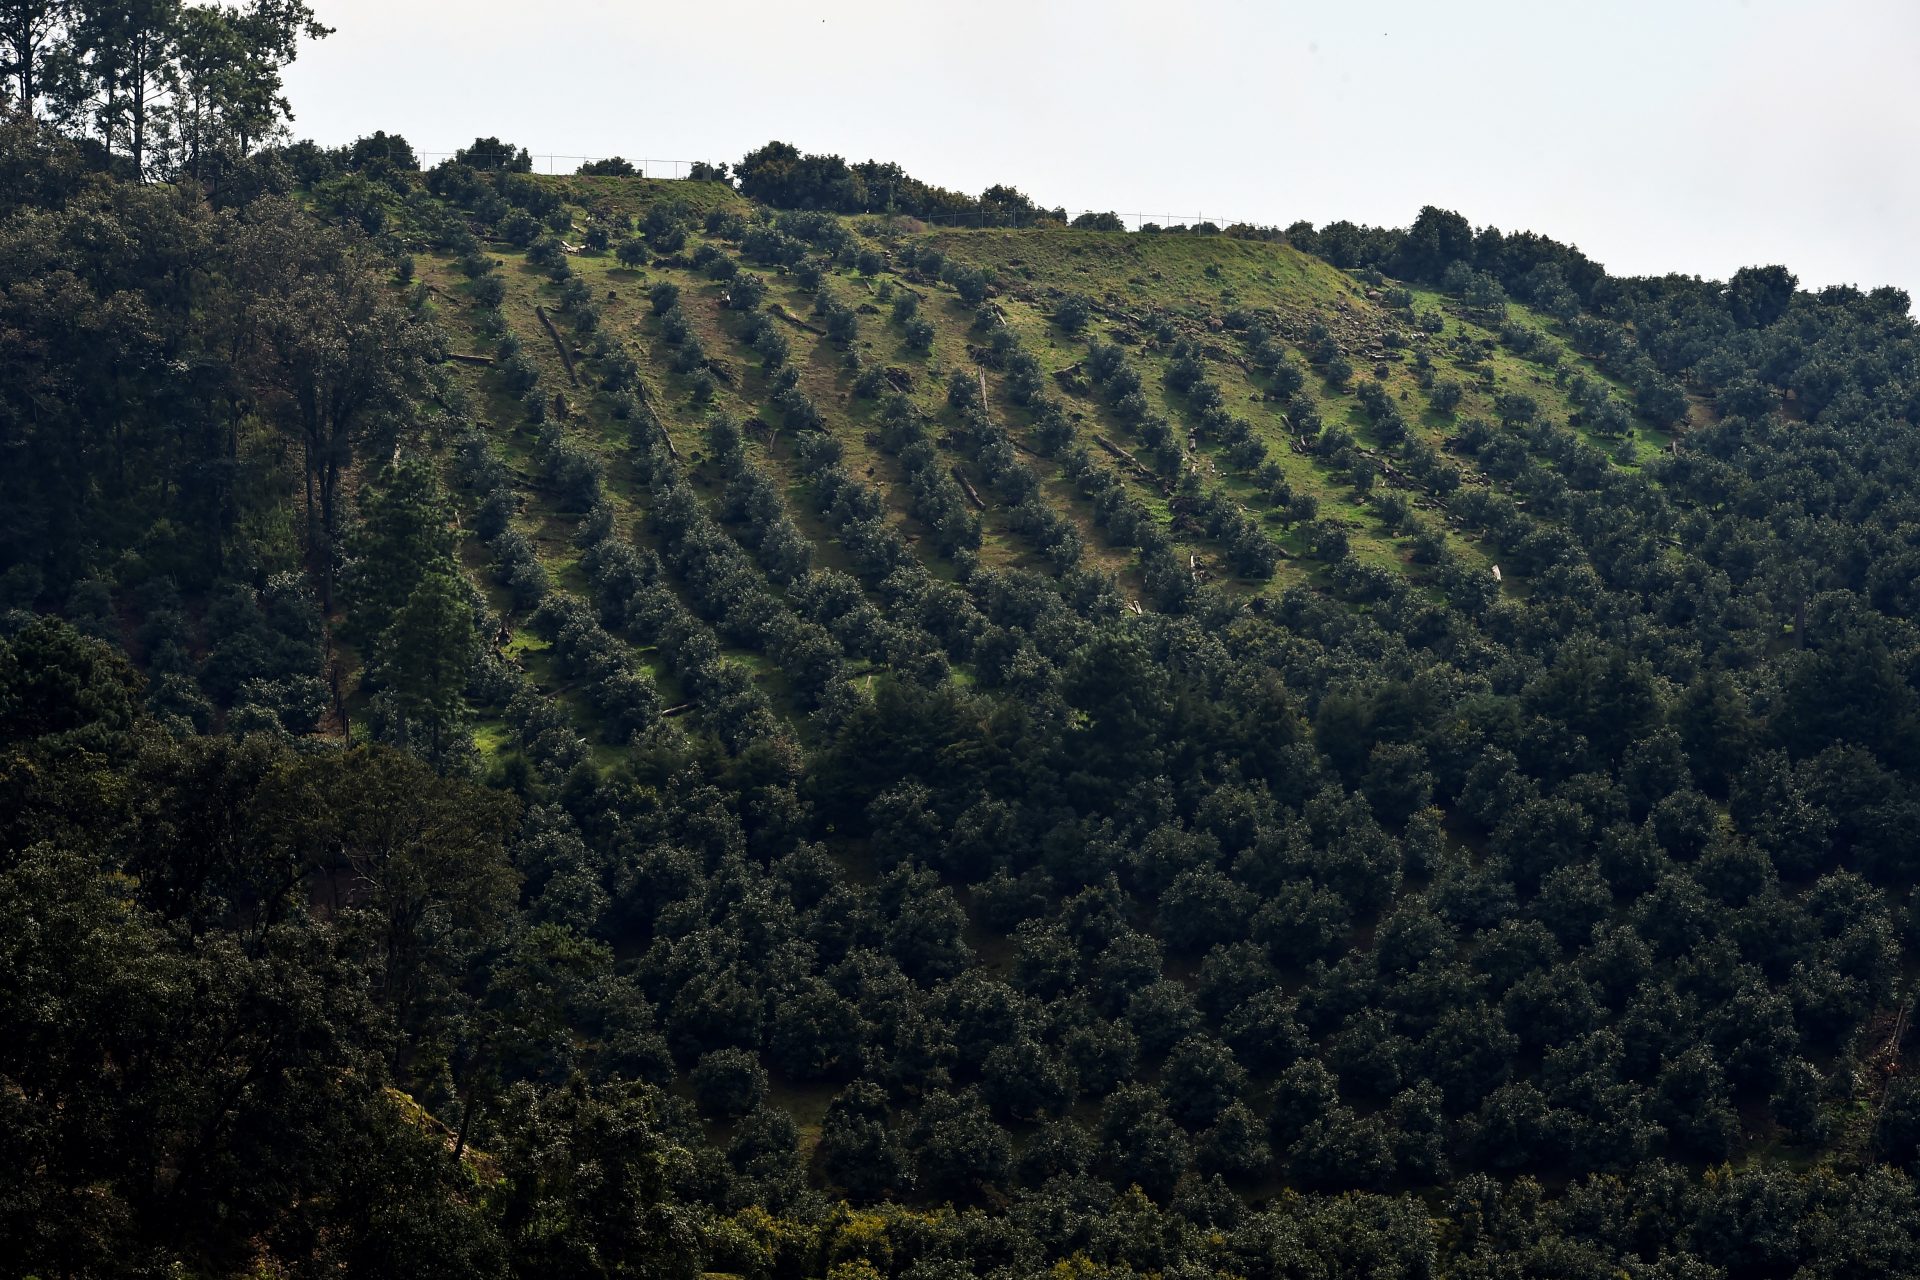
[
  {"x": 729, "y": 1083},
  {"x": 772, "y": 346},
  {"x": 518, "y": 228},
  {"x": 726, "y": 224},
  {"x": 666, "y": 228},
  {"x": 611, "y": 167},
  {"x": 489, "y": 290},
  {"x": 491, "y": 153},
  {"x": 970, "y": 283},
  {"x": 519, "y": 373},
  {"x": 746, "y": 292},
  {"x": 1073, "y": 312}
]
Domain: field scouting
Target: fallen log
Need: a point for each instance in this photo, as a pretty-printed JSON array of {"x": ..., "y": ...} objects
[
  {"x": 1224, "y": 356},
  {"x": 781, "y": 313},
  {"x": 566, "y": 353},
  {"x": 1114, "y": 313},
  {"x": 967, "y": 486},
  {"x": 1070, "y": 381}
]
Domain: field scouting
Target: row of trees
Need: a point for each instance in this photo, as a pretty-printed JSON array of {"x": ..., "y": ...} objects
[
  {"x": 163, "y": 84},
  {"x": 779, "y": 174}
]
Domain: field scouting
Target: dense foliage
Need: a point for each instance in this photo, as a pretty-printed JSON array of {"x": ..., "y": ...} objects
[
  {"x": 781, "y": 175},
  {"x": 744, "y": 862}
]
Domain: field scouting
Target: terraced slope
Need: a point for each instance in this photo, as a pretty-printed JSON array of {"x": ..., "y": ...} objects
[{"x": 1152, "y": 411}]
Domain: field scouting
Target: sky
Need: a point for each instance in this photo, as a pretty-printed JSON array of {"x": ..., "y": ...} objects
[{"x": 1696, "y": 136}]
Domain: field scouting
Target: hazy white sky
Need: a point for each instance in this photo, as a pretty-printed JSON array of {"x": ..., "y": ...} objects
[{"x": 1677, "y": 135}]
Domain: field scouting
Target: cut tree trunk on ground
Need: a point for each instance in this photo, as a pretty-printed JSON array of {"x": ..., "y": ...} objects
[
  {"x": 967, "y": 486},
  {"x": 566, "y": 353},
  {"x": 781, "y": 313}
]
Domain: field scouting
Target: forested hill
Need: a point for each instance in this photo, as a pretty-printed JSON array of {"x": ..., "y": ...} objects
[{"x": 598, "y": 727}]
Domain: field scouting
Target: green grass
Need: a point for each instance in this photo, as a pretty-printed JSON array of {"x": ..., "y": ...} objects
[
  {"x": 633, "y": 196},
  {"x": 1153, "y": 270},
  {"x": 1143, "y": 286},
  {"x": 492, "y": 738},
  {"x": 1191, "y": 281}
]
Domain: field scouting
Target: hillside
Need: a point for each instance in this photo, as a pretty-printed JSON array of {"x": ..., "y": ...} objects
[
  {"x": 588, "y": 725},
  {"x": 1248, "y": 317}
]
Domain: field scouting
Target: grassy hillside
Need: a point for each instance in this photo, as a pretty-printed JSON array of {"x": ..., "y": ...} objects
[{"x": 1146, "y": 292}]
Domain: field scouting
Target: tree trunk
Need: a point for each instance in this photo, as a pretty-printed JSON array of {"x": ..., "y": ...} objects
[
  {"x": 313, "y": 532},
  {"x": 139, "y": 87},
  {"x": 22, "y": 41},
  {"x": 466, "y": 1119},
  {"x": 329, "y": 484}
]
